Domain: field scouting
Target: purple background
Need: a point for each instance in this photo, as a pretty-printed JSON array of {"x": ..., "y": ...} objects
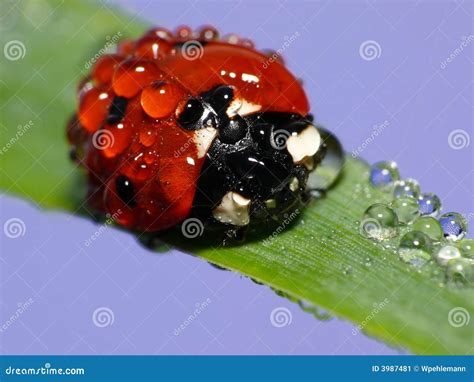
[{"x": 152, "y": 294}]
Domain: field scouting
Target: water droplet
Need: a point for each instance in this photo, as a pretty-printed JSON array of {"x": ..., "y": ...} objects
[
  {"x": 406, "y": 209},
  {"x": 347, "y": 270},
  {"x": 415, "y": 248},
  {"x": 368, "y": 262},
  {"x": 429, "y": 203},
  {"x": 407, "y": 187},
  {"x": 327, "y": 172},
  {"x": 319, "y": 313},
  {"x": 384, "y": 174},
  {"x": 447, "y": 253},
  {"x": 466, "y": 247},
  {"x": 454, "y": 226},
  {"x": 460, "y": 271},
  {"x": 429, "y": 226},
  {"x": 379, "y": 222}
]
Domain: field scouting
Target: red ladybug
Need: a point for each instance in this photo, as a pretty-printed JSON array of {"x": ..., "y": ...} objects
[{"x": 185, "y": 124}]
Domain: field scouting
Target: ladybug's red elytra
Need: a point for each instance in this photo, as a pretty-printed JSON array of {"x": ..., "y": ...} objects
[{"x": 183, "y": 124}]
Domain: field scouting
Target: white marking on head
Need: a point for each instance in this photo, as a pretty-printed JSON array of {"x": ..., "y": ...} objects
[
  {"x": 304, "y": 145},
  {"x": 233, "y": 209},
  {"x": 242, "y": 107},
  {"x": 203, "y": 138}
]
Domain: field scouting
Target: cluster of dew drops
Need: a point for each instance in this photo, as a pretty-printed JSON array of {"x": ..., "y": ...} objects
[{"x": 413, "y": 221}]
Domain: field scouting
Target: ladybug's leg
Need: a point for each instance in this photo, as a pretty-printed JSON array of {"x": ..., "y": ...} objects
[{"x": 234, "y": 235}]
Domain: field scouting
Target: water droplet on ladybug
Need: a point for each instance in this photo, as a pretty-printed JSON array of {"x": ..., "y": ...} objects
[
  {"x": 93, "y": 108},
  {"x": 329, "y": 169},
  {"x": 208, "y": 33},
  {"x": 104, "y": 68},
  {"x": 153, "y": 48},
  {"x": 160, "y": 99},
  {"x": 132, "y": 75},
  {"x": 161, "y": 33},
  {"x": 183, "y": 32}
]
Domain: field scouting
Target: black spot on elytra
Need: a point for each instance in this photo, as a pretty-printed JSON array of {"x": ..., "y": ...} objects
[
  {"x": 125, "y": 190},
  {"x": 117, "y": 110}
]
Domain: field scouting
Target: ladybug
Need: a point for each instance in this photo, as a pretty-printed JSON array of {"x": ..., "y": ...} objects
[{"x": 187, "y": 124}]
